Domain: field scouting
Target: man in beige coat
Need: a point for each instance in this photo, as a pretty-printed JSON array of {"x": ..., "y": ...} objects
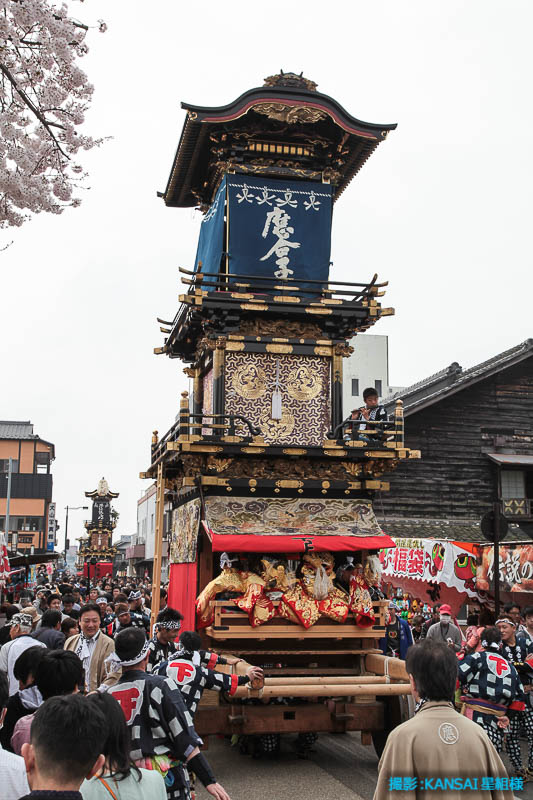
[
  {"x": 94, "y": 648},
  {"x": 439, "y": 753}
]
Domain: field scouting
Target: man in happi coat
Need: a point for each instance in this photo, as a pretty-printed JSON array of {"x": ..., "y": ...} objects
[
  {"x": 136, "y": 602},
  {"x": 519, "y": 652},
  {"x": 162, "y": 733},
  {"x": 438, "y": 743},
  {"x": 192, "y": 677},
  {"x": 492, "y": 689},
  {"x": 124, "y": 618},
  {"x": 162, "y": 645}
]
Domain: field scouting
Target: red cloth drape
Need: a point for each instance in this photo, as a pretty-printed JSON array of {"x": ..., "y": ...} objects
[
  {"x": 252, "y": 543},
  {"x": 182, "y": 592}
]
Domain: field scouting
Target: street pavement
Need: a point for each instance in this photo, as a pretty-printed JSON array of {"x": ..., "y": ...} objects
[{"x": 340, "y": 768}]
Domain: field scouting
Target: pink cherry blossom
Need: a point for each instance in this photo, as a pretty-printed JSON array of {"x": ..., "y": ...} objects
[{"x": 44, "y": 95}]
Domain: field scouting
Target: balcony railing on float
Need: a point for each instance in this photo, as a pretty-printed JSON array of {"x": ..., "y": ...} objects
[
  {"x": 372, "y": 433},
  {"x": 213, "y": 428},
  {"x": 270, "y": 294},
  {"x": 236, "y": 429}
]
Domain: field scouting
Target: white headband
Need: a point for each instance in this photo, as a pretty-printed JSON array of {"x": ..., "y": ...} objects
[
  {"x": 171, "y": 625},
  {"x": 130, "y": 662},
  {"x": 507, "y": 620}
]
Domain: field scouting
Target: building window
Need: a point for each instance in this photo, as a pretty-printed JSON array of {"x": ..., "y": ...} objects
[
  {"x": 26, "y": 524},
  {"x": 513, "y": 484},
  {"x": 152, "y": 523},
  {"x": 4, "y": 465},
  {"x": 378, "y": 386},
  {"x": 25, "y": 539},
  {"x": 355, "y": 387},
  {"x": 42, "y": 462}
]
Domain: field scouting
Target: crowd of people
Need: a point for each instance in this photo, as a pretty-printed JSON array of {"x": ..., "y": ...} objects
[
  {"x": 494, "y": 665},
  {"x": 74, "y": 657}
]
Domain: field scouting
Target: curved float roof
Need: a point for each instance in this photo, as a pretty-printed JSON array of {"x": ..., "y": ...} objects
[{"x": 292, "y": 95}]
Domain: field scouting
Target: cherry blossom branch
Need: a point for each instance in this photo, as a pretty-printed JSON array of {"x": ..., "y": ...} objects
[{"x": 33, "y": 108}]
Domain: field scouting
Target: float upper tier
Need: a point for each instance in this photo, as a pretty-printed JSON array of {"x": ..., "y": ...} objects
[
  {"x": 217, "y": 304},
  {"x": 285, "y": 129}
]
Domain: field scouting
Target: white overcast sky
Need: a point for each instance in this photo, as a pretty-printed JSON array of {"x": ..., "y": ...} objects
[{"x": 442, "y": 209}]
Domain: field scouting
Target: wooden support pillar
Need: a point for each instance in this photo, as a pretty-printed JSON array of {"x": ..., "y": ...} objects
[
  {"x": 197, "y": 402},
  {"x": 218, "y": 378},
  {"x": 336, "y": 390},
  {"x": 184, "y": 416},
  {"x": 155, "y": 440},
  {"x": 158, "y": 544},
  {"x": 398, "y": 423}
]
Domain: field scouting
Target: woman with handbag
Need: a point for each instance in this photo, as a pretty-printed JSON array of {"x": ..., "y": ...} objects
[{"x": 120, "y": 779}]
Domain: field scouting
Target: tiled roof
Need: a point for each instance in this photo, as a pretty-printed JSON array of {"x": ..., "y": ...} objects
[
  {"x": 451, "y": 530},
  {"x": 453, "y": 378},
  {"x": 16, "y": 430}
]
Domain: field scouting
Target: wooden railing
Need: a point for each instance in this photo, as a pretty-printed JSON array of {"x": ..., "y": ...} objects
[
  {"x": 212, "y": 427},
  {"x": 386, "y": 431},
  {"x": 248, "y": 284},
  {"x": 517, "y": 507},
  {"x": 232, "y": 623},
  {"x": 232, "y": 428}
]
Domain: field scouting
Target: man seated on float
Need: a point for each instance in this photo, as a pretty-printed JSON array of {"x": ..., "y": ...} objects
[{"x": 371, "y": 412}]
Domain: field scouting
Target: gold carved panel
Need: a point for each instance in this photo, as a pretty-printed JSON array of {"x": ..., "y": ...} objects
[{"x": 250, "y": 380}]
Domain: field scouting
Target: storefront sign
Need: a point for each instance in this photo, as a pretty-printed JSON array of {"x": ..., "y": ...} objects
[
  {"x": 432, "y": 561},
  {"x": 516, "y": 568},
  {"x": 51, "y": 528}
]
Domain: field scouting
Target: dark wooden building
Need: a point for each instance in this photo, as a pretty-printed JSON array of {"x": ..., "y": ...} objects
[{"x": 475, "y": 430}]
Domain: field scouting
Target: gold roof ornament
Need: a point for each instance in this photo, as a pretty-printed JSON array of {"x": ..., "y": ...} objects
[
  {"x": 102, "y": 490},
  {"x": 292, "y": 80}
]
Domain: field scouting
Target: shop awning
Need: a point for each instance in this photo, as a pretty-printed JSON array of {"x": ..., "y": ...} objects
[
  {"x": 22, "y": 560},
  {"x": 511, "y": 460},
  {"x": 285, "y": 525},
  {"x": 443, "y": 563}
]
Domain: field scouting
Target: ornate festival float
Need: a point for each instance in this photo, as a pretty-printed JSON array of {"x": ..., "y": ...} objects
[
  {"x": 267, "y": 488},
  {"x": 96, "y": 551}
]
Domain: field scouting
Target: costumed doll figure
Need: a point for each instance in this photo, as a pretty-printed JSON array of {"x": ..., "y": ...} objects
[
  {"x": 344, "y": 573},
  {"x": 275, "y": 580},
  {"x": 372, "y": 574},
  {"x": 298, "y": 604},
  {"x": 360, "y": 602},
  {"x": 335, "y": 604},
  {"x": 314, "y": 594},
  {"x": 229, "y": 580}
]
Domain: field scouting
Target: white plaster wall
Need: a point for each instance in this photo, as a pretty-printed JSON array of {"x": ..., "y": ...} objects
[{"x": 369, "y": 362}]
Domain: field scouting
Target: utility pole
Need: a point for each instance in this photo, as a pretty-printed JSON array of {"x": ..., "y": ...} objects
[
  {"x": 72, "y": 508},
  {"x": 9, "y": 472},
  {"x": 496, "y": 560}
]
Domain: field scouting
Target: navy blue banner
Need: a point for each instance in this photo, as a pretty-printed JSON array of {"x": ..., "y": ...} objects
[
  {"x": 279, "y": 229},
  {"x": 210, "y": 243}
]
